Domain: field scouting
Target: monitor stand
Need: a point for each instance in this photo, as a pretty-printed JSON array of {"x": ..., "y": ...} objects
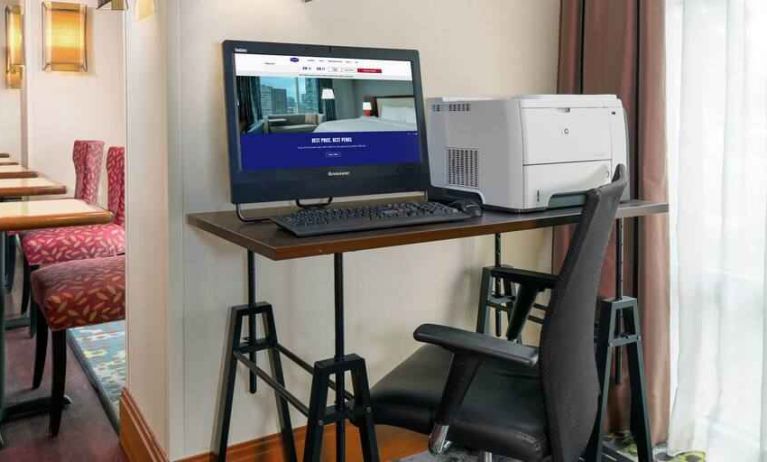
[
  {"x": 244, "y": 219},
  {"x": 314, "y": 206}
]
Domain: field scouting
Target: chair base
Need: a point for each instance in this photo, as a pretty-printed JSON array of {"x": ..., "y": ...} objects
[{"x": 485, "y": 456}]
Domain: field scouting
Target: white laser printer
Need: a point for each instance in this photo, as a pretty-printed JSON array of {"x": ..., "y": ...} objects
[{"x": 529, "y": 152}]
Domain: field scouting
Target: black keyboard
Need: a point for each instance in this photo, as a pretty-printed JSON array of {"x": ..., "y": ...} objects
[{"x": 314, "y": 222}]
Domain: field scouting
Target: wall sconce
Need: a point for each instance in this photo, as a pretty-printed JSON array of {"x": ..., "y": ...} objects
[
  {"x": 64, "y": 37},
  {"x": 114, "y": 5},
  {"x": 14, "y": 46}
]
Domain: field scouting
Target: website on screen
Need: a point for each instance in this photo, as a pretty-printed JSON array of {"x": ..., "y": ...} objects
[{"x": 303, "y": 112}]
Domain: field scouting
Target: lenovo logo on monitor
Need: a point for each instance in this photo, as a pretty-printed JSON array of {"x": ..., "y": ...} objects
[{"x": 343, "y": 173}]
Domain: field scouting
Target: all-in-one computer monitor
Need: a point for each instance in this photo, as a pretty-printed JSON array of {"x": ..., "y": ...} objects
[{"x": 309, "y": 121}]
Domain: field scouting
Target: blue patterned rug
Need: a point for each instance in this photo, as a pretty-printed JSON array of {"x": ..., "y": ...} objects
[{"x": 100, "y": 349}]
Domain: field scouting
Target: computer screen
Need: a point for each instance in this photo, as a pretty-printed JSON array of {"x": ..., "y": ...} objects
[{"x": 315, "y": 121}]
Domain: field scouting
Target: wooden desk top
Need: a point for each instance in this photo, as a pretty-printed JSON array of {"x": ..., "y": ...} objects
[
  {"x": 16, "y": 171},
  {"x": 267, "y": 239},
  {"x": 26, "y": 215},
  {"x": 22, "y": 187},
  {"x": 8, "y": 162},
  {"x": 4, "y": 155}
]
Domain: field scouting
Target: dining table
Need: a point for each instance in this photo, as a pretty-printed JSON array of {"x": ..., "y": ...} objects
[
  {"x": 25, "y": 216},
  {"x": 16, "y": 171},
  {"x": 25, "y": 187}
]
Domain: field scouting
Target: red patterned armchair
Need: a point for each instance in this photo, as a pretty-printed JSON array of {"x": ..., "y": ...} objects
[
  {"x": 56, "y": 245},
  {"x": 68, "y": 295}
]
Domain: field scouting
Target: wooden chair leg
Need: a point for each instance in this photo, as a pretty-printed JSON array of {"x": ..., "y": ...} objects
[
  {"x": 26, "y": 298},
  {"x": 41, "y": 347},
  {"x": 59, "y": 339},
  {"x": 26, "y": 294}
]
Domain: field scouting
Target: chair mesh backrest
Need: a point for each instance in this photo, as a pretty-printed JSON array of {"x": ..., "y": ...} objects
[
  {"x": 116, "y": 183},
  {"x": 88, "y": 156},
  {"x": 567, "y": 356}
]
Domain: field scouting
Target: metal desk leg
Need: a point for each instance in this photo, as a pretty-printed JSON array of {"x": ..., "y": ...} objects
[
  {"x": 338, "y": 270},
  {"x": 498, "y": 285},
  {"x": 226, "y": 391},
  {"x": 252, "y": 334},
  {"x": 619, "y": 328},
  {"x": 339, "y": 366},
  {"x": 640, "y": 418},
  {"x": 483, "y": 309}
]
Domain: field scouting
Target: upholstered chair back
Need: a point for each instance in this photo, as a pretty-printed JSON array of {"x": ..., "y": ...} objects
[
  {"x": 88, "y": 157},
  {"x": 116, "y": 183}
]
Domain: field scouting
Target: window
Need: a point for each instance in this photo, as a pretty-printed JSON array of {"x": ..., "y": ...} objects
[{"x": 285, "y": 95}]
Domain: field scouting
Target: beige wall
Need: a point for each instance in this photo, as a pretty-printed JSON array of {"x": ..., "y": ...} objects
[
  {"x": 10, "y": 99},
  {"x": 64, "y": 106},
  {"x": 181, "y": 280}
]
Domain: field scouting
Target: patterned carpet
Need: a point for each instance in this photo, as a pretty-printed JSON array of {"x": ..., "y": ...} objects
[
  {"x": 624, "y": 444},
  {"x": 100, "y": 349},
  {"x": 621, "y": 442}
]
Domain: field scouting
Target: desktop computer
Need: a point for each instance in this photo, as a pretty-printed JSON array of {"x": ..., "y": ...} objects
[{"x": 310, "y": 121}]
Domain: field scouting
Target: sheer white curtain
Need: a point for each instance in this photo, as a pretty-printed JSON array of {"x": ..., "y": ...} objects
[{"x": 717, "y": 103}]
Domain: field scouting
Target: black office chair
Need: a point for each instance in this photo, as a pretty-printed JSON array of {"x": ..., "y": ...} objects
[{"x": 502, "y": 397}]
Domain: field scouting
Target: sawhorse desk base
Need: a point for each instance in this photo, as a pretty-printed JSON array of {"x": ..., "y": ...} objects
[{"x": 354, "y": 407}]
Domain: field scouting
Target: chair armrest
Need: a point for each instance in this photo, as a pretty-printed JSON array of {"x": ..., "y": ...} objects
[
  {"x": 469, "y": 350},
  {"x": 474, "y": 344},
  {"x": 525, "y": 277}
]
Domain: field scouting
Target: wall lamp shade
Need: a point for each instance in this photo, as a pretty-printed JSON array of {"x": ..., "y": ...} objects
[
  {"x": 327, "y": 93},
  {"x": 64, "y": 37},
  {"x": 14, "y": 46},
  {"x": 114, "y": 5}
]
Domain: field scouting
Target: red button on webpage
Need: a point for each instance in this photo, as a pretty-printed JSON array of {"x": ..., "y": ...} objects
[{"x": 368, "y": 70}]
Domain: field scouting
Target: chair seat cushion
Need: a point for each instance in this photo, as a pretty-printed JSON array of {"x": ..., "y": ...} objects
[
  {"x": 81, "y": 292},
  {"x": 55, "y": 245},
  {"x": 503, "y": 412}
]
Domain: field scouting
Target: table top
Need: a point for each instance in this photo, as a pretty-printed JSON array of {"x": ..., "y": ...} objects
[
  {"x": 4, "y": 155},
  {"x": 54, "y": 213},
  {"x": 22, "y": 187},
  {"x": 16, "y": 171},
  {"x": 265, "y": 238},
  {"x": 8, "y": 162}
]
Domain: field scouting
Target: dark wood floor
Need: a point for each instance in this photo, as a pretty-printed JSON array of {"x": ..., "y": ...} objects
[{"x": 86, "y": 434}]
